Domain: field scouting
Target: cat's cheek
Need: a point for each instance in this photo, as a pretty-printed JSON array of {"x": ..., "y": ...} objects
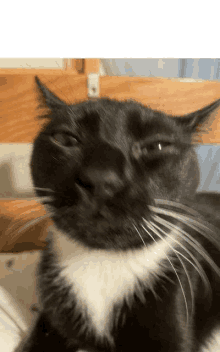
[{"x": 63, "y": 165}]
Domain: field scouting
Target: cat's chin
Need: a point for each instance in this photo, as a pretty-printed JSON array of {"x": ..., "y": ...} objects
[
  {"x": 111, "y": 225},
  {"x": 102, "y": 230}
]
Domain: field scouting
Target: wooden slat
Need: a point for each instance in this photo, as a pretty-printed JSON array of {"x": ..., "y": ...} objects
[
  {"x": 18, "y": 97},
  {"x": 17, "y": 234},
  {"x": 69, "y": 65},
  {"x": 169, "y": 95},
  {"x": 91, "y": 66},
  {"x": 82, "y": 66},
  {"x": 19, "y": 103},
  {"x": 74, "y": 65}
]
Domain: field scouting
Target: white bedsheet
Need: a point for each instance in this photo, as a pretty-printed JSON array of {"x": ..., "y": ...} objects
[{"x": 18, "y": 297}]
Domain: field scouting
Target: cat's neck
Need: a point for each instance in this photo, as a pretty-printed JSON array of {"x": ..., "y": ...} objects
[
  {"x": 94, "y": 273},
  {"x": 67, "y": 248}
]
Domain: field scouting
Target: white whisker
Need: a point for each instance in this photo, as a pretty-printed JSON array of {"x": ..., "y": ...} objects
[
  {"x": 195, "y": 244},
  {"x": 177, "y": 205},
  {"x": 25, "y": 202},
  {"x": 29, "y": 224},
  {"x": 174, "y": 269},
  {"x": 151, "y": 287},
  {"x": 140, "y": 236},
  {"x": 40, "y": 199},
  {"x": 44, "y": 189},
  {"x": 39, "y": 189},
  {"x": 183, "y": 265},
  {"x": 200, "y": 225},
  {"x": 197, "y": 267}
]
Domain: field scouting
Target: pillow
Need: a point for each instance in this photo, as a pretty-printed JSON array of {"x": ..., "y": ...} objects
[{"x": 12, "y": 326}]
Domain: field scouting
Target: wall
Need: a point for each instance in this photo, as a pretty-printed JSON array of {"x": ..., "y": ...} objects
[{"x": 31, "y": 63}]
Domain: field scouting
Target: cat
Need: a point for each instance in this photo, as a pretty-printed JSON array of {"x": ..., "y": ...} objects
[{"x": 133, "y": 255}]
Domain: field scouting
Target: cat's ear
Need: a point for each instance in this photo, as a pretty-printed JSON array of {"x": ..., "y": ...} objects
[
  {"x": 47, "y": 97},
  {"x": 192, "y": 120}
]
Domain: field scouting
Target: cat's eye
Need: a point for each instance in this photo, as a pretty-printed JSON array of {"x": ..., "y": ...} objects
[
  {"x": 155, "y": 147},
  {"x": 64, "y": 139}
]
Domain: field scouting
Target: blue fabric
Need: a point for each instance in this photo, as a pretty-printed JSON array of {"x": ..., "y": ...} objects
[
  {"x": 209, "y": 162},
  {"x": 187, "y": 68}
]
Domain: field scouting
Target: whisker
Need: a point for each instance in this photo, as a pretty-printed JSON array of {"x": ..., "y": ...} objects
[
  {"x": 202, "y": 273},
  {"x": 29, "y": 224},
  {"x": 33, "y": 188},
  {"x": 24, "y": 215},
  {"x": 146, "y": 247},
  {"x": 177, "y": 205},
  {"x": 44, "y": 200},
  {"x": 30, "y": 210},
  {"x": 198, "y": 266},
  {"x": 177, "y": 253},
  {"x": 194, "y": 244},
  {"x": 140, "y": 236},
  {"x": 38, "y": 199},
  {"x": 190, "y": 222},
  {"x": 174, "y": 269},
  {"x": 27, "y": 202},
  {"x": 44, "y": 189},
  {"x": 64, "y": 195},
  {"x": 151, "y": 287},
  {"x": 32, "y": 207}
]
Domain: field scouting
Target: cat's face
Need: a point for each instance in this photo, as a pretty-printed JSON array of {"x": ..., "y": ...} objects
[{"x": 107, "y": 161}]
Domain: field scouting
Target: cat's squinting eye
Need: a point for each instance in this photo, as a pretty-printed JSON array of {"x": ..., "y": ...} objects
[
  {"x": 155, "y": 147},
  {"x": 64, "y": 139}
]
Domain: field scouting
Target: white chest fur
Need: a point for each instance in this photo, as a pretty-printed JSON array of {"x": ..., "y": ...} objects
[
  {"x": 102, "y": 278},
  {"x": 214, "y": 344}
]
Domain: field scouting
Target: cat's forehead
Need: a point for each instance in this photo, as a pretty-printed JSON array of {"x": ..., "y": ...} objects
[{"x": 113, "y": 117}]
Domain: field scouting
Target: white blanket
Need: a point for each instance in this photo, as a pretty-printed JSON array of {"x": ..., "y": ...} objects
[{"x": 18, "y": 297}]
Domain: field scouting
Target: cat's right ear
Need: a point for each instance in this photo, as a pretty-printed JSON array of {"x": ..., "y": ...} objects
[{"x": 47, "y": 97}]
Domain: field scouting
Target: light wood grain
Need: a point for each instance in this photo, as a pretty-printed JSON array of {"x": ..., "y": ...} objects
[
  {"x": 91, "y": 66},
  {"x": 18, "y": 99},
  {"x": 75, "y": 66},
  {"x": 23, "y": 225},
  {"x": 169, "y": 95},
  {"x": 19, "y": 102}
]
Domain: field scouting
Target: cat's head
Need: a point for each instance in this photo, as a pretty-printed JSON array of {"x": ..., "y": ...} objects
[{"x": 106, "y": 162}]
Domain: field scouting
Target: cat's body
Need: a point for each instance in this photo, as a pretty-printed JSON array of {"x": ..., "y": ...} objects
[{"x": 128, "y": 267}]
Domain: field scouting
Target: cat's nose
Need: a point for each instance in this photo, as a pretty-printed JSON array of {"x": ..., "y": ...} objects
[{"x": 103, "y": 184}]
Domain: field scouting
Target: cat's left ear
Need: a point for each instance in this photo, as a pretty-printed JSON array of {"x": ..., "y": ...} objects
[
  {"x": 192, "y": 120},
  {"x": 48, "y": 98}
]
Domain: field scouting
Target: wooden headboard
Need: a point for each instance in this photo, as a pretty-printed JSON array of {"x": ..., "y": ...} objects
[{"x": 19, "y": 123}]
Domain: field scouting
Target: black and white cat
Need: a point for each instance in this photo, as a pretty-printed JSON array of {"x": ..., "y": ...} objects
[{"x": 133, "y": 257}]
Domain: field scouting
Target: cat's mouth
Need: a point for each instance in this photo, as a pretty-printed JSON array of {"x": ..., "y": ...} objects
[
  {"x": 105, "y": 224},
  {"x": 98, "y": 221}
]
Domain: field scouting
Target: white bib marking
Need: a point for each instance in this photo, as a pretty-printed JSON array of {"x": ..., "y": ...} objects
[
  {"x": 101, "y": 278},
  {"x": 214, "y": 344}
]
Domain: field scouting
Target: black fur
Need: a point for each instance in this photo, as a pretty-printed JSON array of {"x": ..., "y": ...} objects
[{"x": 107, "y": 162}]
